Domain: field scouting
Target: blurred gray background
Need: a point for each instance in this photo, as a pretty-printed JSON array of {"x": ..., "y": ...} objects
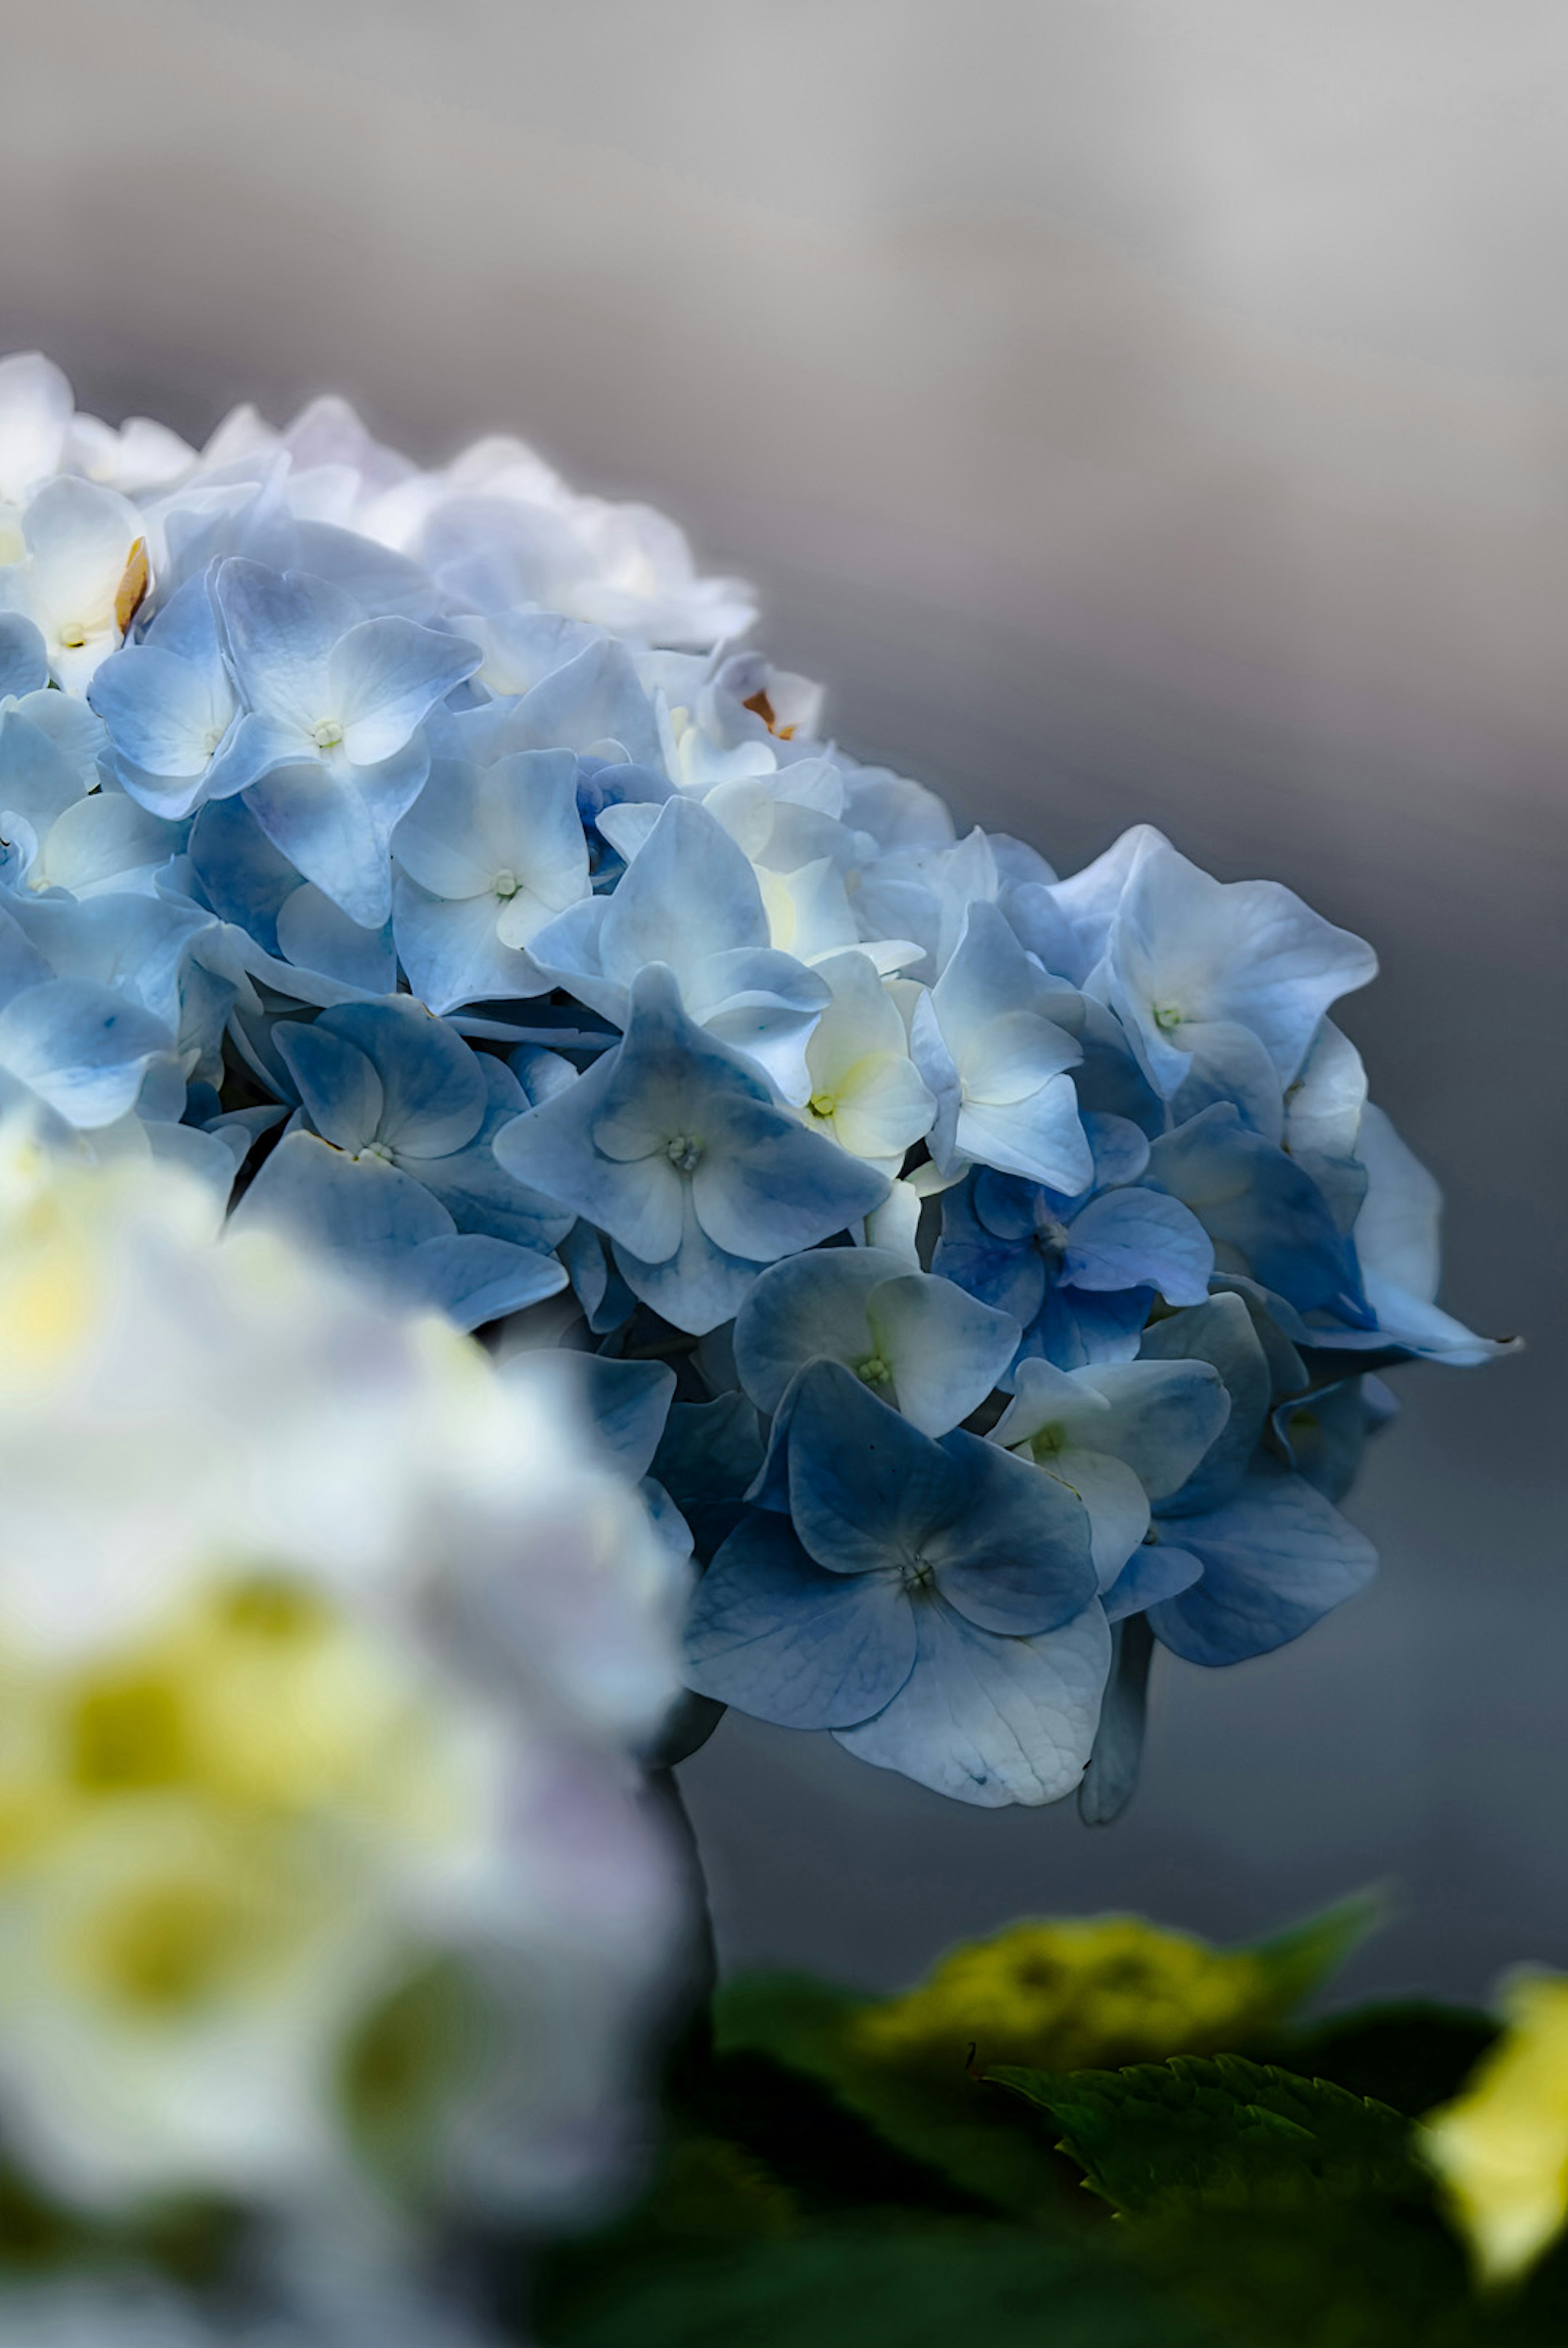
[{"x": 1135, "y": 409}]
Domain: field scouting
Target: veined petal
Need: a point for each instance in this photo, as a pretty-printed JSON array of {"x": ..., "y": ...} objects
[
  {"x": 992, "y": 1720},
  {"x": 382, "y": 678},
  {"x": 772, "y": 1633}
]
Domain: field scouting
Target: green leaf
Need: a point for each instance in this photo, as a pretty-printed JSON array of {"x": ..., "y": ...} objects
[
  {"x": 930, "y": 2109},
  {"x": 1205, "y": 2126},
  {"x": 1058, "y": 1995},
  {"x": 865, "y": 2286},
  {"x": 1295, "y": 1963},
  {"x": 1331, "y": 2272}
]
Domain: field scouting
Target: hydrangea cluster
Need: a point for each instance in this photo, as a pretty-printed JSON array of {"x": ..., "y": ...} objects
[
  {"x": 327, "y": 1890},
  {"x": 989, "y": 1274}
]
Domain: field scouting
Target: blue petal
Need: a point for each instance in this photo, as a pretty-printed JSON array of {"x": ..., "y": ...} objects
[
  {"x": 941, "y": 1352},
  {"x": 24, "y": 663},
  {"x": 766, "y": 1187},
  {"x": 341, "y": 1091},
  {"x": 627, "y": 1402},
  {"x": 480, "y": 1196},
  {"x": 335, "y": 828},
  {"x": 592, "y": 698},
  {"x": 81, "y": 1047},
  {"x": 696, "y": 1287},
  {"x": 1263, "y": 1213},
  {"x": 711, "y": 1451},
  {"x": 436, "y": 1095},
  {"x": 1155, "y": 1571},
  {"x": 360, "y": 1209},
  {"x": 316, "y": 935},
  {"x": 450, "y": 951},
  {"x": 1008, "y": 1274},
  {"x": 772, "y": 1633},
  {"x": 804, "y": 1308},
  {"x": 1163, "y": 1418},
  {"x": 606, "y": 1300},
  {"x": 1112, "y": 1772},
  {"x": 1018, "y": 1560},
  {"x": 244, "y": 877},
  {"x": 1222, "y": 1332},
  {"x": 473, "y": 1280},
  {"x": 385, "y": 675},
  {"x": 1276, "y": 1558},
  {"x": 278, "y": 631},
  {"x": 1137, "y": 1239},
  {"x": 992, "y": 1720},
  {"x": 1077, "y": 1327},
  {"x": 866, "y": 1490}
]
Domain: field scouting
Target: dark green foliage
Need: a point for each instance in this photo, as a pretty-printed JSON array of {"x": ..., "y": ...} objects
[
  {"x": 1218, "y": 2128},
  {"x": 845, "y": 2171},
  {"x": 863, "y": 2287},
  {"x": 1414, "y": 2055}
]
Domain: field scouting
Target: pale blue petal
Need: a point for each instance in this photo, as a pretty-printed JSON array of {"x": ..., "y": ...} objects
[
  {"x": 689, "y": 891},
  {"x": 992, "y": 1720},
  {"x": 772, "y": 1633},
  {"x": 473, "y": 1278},
  {"x": 335, "y": 830},
  {"x": 806, "y": 1307},
  {"x": 24, "y": 663},
  {"x": 436, "y": 1095},
  {"x": 1163, "y": 1417},
  {"x": 1155, "y": 1573},
  {"x": 1040, "y": 1137},
  {"x": 278, "y": 631},
  {"x": 314, "y": 935},
  {"x": 21, "y": 963},
  {"x": 338, "y": 1085},
  {"x": 244, "y": 877},
  {"x": 698, "y": 1286},
  {"x": 1230, "y": 1064},
  {"x": 450, "y": 951},
  {"x": 1137, "y": 1238},
  {"x": 383, "y": 676},
  {"x": 945, "y": 1349},
  {"x": 81, "y": 1047},
  {"x": 35, "y": 781},
  {"x": 594, "y": 697}
]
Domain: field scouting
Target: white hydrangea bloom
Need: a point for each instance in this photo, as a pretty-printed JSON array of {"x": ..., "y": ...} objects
[{"x": 320, "y": 1651}]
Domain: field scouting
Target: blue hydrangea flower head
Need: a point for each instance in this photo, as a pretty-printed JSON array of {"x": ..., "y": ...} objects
[{"x": 988, "y": 1275}]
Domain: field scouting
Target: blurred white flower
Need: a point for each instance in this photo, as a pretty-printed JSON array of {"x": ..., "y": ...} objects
[{"x": 320, "y": 1651}]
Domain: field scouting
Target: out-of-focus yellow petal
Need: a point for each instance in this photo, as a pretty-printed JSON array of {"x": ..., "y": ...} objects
[{"x": 1500, "y": 2148}]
